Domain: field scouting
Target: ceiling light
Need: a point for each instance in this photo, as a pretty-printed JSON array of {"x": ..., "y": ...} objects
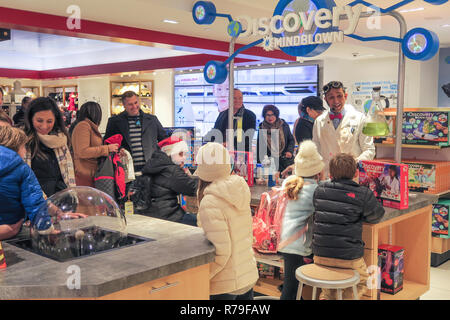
[
  {"x": 259, "y": 64},
  {"x": 170, "y": 21},
  {"x": 445, "y": 25},
  {"x": 286, "y": 63},
  {"x": 412, "y": 10}
]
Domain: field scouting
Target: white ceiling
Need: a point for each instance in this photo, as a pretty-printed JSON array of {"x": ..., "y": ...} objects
[
  {"x": 39, "y": 51},
  {"x": 149, "y": 14}
]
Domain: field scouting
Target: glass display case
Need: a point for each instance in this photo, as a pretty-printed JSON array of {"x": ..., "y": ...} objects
[
  {"x": 198, "y": 103},
  {"x": 143, "y": 88}
]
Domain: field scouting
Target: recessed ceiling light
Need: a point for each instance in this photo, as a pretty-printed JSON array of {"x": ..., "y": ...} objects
[
  {"x": 412, "y": 10},
  {"x": 286, "y": 63},
  {"x": 259, "y": 64},
  {"x": 445, "y": 25},
  {"x": 170, "y": 21}
]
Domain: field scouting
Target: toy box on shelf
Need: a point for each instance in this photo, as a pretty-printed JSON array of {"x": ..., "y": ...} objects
[
  {"x": 243, "y": 165},
  {"x": 427, "y": 176},
  {"x": 421, "y": 126},
  {"x": 388, "y": 181},
  {"x": 439, "y": 224},
  {"x": 266, "y": 271},
  {"x": 392, "y": 268}
]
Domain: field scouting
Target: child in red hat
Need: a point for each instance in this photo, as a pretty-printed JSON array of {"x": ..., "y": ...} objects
[{"x": 168, "y": 180}]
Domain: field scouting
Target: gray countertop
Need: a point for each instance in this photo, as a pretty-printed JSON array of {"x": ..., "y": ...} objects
[
  {"x": 416, "y": 201},
  {"x": 178, "y": 247}
]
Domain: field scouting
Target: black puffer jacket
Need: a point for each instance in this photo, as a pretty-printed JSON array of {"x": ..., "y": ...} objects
[
  {"x": 340, "y": 209},
  {"x": 168, "y": 180}
]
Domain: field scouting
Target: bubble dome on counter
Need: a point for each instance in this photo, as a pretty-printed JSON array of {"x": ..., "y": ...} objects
[{"x": 86, "y": 221}]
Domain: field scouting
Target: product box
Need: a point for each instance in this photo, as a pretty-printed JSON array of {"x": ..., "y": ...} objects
[
  {"x": 427, "y": 176},
  {"x": 243, "y": 165},
  {"x": 266, "y": 271},
  {"x": 426, "y": 127},
  {"x": 388, "y": 181},
  {"x": 392, "y": 268},
  {"x": 439, "y": 224}
]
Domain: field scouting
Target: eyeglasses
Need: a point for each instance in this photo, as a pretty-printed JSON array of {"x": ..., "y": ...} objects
[{"x": 332, "y": 84}]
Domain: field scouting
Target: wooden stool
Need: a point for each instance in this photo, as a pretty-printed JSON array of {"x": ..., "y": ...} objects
[{"x": 318, "y": 276}]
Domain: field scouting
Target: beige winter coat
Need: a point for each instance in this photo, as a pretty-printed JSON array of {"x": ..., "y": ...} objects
[{"x": 225, "y": 216}]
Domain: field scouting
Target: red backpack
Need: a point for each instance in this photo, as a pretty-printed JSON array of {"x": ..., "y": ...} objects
[{"x": 268, "y": 219}]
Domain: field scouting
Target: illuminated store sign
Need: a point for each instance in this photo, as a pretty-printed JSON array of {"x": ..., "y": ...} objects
[
  {"x": 296, "y": 28},
  {"x": 307, "y": 28}
]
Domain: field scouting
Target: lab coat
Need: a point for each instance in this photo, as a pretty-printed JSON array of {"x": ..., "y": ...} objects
[
  {"x": 346, "y": 138},
  {"x": 394, "y": 191}
]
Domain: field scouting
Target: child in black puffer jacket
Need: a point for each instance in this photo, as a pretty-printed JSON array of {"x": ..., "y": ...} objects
[
  {"x": 340, "y": 208},
  {"x": 168, "y": 180}
]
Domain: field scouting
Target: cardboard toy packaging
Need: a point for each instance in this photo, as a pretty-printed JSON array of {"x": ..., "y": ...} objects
[
  {"x": 388, "y": 181},
  {"x": 439, "y": 224},
  {"x": 426, "y": 127},
  {"x": 243, "y": 165},
  {"x": 392, "y": 268},
  {"x": 266, "y": 271},
  {"x": 427, "y": 176}
]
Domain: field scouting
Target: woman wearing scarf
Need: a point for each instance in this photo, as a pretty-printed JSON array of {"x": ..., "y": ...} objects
[
  {"x": 48, "y": 152},
  {"x": 280, "y": 149}
]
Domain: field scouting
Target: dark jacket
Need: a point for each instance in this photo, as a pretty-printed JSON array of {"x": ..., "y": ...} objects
[
  {"x": 19, "y": 118},
  {"x": 340, "y": 209},
  {"x": 168, "y": 181},
  {"x": 288, "y": 147},
  {"x": 20, "y": 192},
  {"x": 248, "y": 123},
  {"x": 303, "y": 130},
  {"x": 47, "y": 171},
  {"x": 152, "y": 132}
]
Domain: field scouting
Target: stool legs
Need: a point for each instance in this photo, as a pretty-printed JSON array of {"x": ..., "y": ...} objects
[
  {"x": 314, "y": 293},
  {"x": 355, "y": 293},
  {"x": 299, "y": 290}
]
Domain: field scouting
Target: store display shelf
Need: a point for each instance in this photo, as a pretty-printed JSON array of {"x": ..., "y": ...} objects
[
  {"x": 412, "y": 146},
  {"x": 268, "y": 287},
  {"x": 411, "y": 291}
]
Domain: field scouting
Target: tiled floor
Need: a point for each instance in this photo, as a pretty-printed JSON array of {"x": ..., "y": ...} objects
[{"x": 439, "y": 283}]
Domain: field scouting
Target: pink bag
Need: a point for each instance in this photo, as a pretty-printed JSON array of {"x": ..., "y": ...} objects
[{"x": 268, "y": 219}]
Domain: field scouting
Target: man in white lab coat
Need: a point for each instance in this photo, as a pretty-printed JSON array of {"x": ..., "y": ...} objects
[{"x": 340, "y": 129}]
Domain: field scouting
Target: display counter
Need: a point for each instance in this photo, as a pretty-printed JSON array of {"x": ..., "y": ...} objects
[
  {"x": 409, "y": 228},
  {"x": 175, "y": 266}
]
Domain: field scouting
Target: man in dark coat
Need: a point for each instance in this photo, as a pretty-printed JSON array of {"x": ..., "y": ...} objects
[
  {"x": 19, "y": 117},
  {"x": 243, "y": 119},
  {"x": 141, "y": 132},
  {"x": 168, "y": 180}
]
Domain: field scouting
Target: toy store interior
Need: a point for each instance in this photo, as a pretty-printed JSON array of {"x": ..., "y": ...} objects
[{"x": 370, "y": 81}]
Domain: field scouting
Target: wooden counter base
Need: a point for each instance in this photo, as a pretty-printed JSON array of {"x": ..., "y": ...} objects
[{"x": 191, "y": 284}]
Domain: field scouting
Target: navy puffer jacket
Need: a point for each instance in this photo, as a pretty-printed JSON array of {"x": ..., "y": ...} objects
[
  {"x": 20, "y": 192},
  {"x": 341, "y": 207}
]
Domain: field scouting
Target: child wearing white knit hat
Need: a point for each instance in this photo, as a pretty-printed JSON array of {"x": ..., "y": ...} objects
[
  {"x": 225, "y": 216},
  {"x": 295, "y": 239}
]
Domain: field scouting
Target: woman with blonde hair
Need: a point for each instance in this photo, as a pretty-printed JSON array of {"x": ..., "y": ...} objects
[{"x": 295, "y": 240}]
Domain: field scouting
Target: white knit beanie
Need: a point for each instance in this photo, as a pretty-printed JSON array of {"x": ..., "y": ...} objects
[
  {"x": 308, "y": 161},
  {"x": 213, "y": 162}
]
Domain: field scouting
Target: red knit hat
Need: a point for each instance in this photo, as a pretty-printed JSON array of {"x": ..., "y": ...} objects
[{"x": 173, "y": 145}]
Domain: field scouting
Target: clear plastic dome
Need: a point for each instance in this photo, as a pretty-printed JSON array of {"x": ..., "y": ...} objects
[{"x": 86, "y": 221}]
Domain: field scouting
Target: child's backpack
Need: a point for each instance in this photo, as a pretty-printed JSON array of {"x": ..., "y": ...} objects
[{"x": 268, "y": 219}]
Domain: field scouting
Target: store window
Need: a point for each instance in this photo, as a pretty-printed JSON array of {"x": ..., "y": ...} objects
[{"x": 198, "y": 103}]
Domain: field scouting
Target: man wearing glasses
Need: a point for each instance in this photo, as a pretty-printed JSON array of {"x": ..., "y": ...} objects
[{"x": 340, "y": 129}]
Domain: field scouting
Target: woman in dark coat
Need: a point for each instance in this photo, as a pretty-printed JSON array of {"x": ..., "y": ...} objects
[
  {"x": 283, "y": 152},
  {"x": 168, "y": 180},
  {"x": 311, "y": 107}
]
